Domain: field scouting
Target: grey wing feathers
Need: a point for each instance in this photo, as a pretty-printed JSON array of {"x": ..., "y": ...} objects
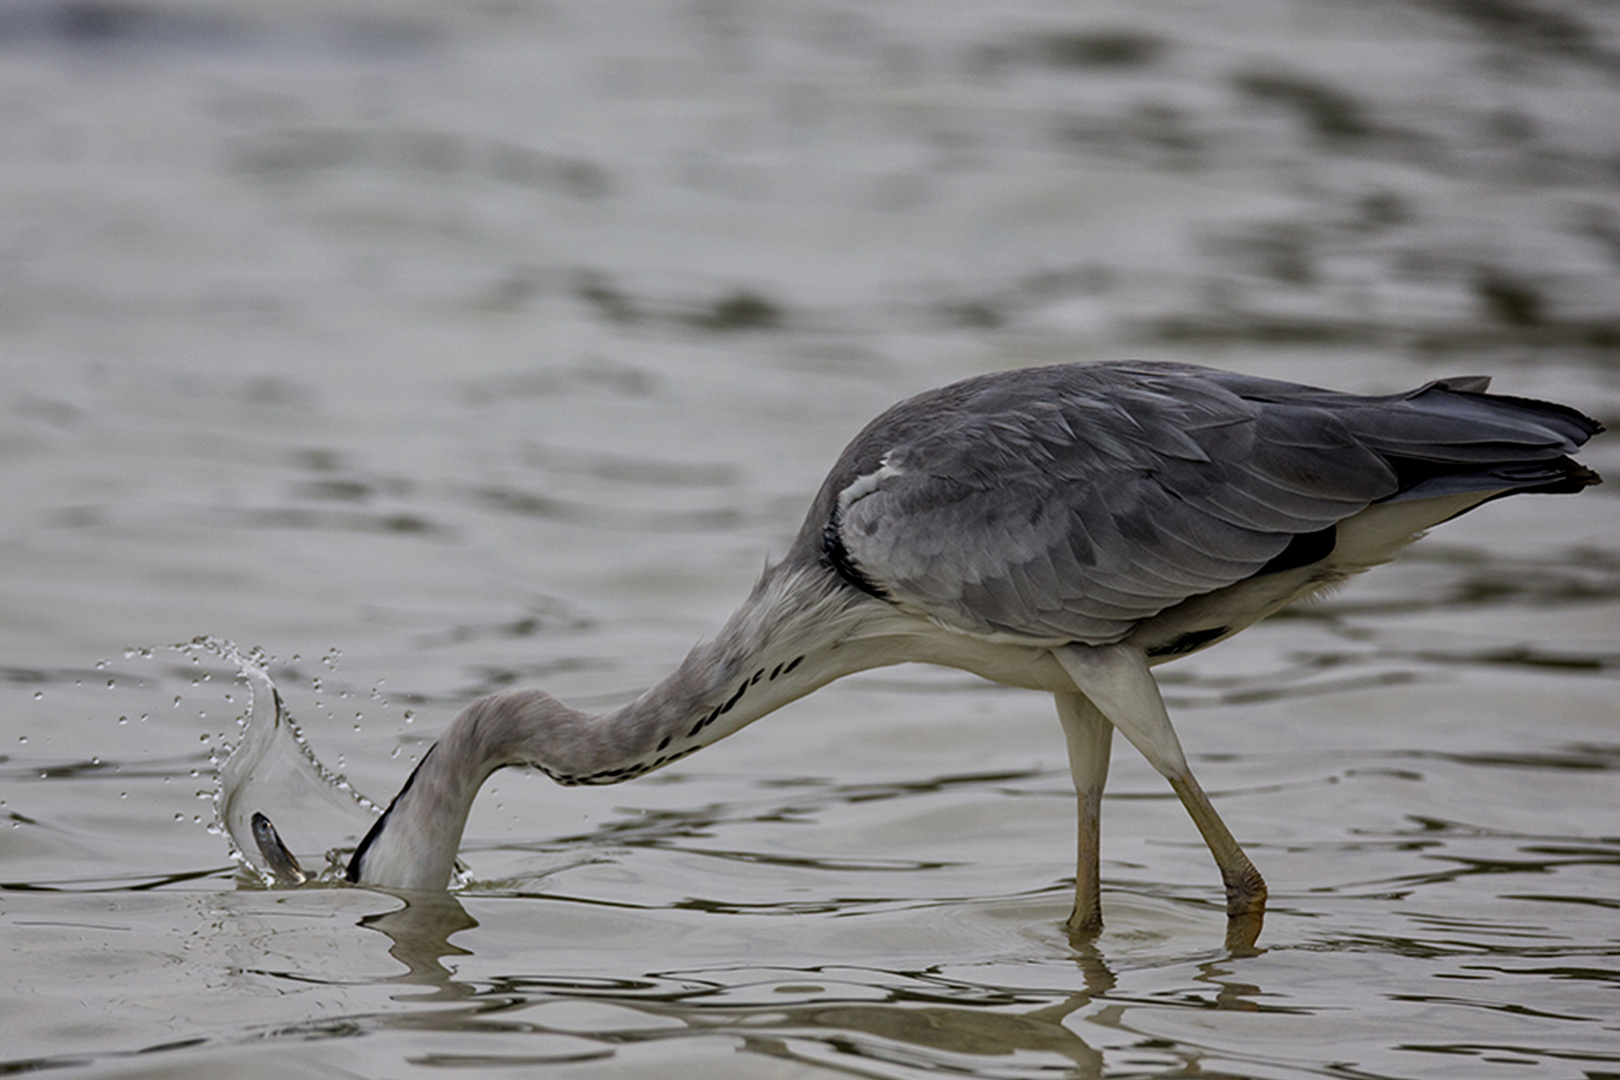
[
  {"x": 1070, "y": 502},
  {"x": 1449, "y": 436}
]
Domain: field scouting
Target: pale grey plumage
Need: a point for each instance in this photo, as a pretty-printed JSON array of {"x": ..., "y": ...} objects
[{"x": 1057, "y": 528}]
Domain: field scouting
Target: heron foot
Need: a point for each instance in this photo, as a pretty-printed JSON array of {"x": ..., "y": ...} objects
[
  {"x": 1245, "y": 909},
  {"x": 1084, "y": 926},
  {"x": 1245, "y": 892},
  {"x": 1242, "y": 931}
]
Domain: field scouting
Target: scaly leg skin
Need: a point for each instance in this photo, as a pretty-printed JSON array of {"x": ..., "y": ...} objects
[
  {"x": 1089, "y": 736},
  {"x": 1245, "y": 888}
]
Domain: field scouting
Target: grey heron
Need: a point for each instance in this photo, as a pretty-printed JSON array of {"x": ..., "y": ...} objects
[{"x": 1060, "y": 528}]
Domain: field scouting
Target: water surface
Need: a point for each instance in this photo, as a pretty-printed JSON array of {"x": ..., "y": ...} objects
[{"x": 441, "y": 350}]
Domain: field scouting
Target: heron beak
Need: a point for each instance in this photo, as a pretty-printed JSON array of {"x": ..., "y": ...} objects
[{"x": 281, "y": 862}]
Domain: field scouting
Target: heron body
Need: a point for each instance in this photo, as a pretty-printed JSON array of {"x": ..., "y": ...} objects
[{"x": 1060, "y": 528}]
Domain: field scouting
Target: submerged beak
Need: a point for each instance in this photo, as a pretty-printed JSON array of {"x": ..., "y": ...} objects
[{"x": 281, "y": 862}]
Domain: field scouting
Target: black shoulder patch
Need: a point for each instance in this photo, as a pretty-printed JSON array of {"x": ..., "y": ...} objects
[
  {"x": 838, "y": 557},
  {"x": 1302, "y": 550}
]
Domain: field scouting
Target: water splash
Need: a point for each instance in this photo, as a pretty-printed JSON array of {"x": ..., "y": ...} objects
[{"x": 271, "y": 769}]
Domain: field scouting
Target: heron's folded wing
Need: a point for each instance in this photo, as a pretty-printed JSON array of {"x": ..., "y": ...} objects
[{"x": 1075, "y": 507}]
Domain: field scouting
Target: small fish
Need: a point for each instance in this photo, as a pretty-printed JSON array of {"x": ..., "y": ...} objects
[{"x": 276, "y": 856}]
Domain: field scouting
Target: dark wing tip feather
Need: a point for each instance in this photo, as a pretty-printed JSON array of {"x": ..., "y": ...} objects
[
  {"x": 1569, "y": 423},
  {"x": 1519, "y": 444},
  {"x": 1576, "y": 478}
]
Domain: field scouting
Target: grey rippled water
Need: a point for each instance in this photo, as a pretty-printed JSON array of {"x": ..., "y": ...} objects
[{"x": 437, "y": 349}]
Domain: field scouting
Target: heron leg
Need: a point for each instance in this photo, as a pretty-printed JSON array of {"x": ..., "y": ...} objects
[
  {"x": 1117, "y": 680},
  {"x": 1089, "y": 736},
  {"x": 1245, "y": 888}
]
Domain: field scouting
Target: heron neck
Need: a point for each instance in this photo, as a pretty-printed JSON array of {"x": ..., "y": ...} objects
[
  {"x": 796, "y": 632},
  {"x": 413, "y": 845}
]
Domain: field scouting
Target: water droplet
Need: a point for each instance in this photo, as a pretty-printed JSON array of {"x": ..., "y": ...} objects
[
  {"x": 39, "y": 695},
  {"x": 22, "y": 738},
  {"x": 111, "y": 683},
  {"x": 123, "y": 720},
  {"x": 101, "y": 665}
]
